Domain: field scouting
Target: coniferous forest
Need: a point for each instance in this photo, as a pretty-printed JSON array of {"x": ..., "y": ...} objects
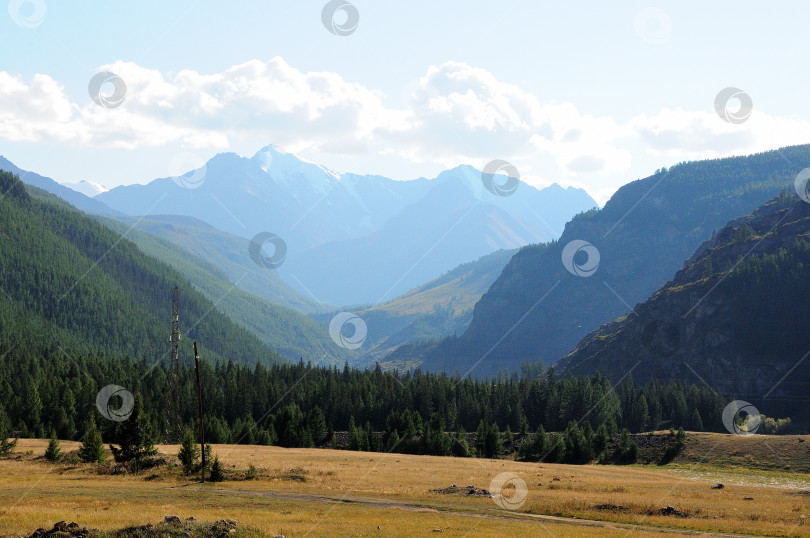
[{"x": 303, "y": 405}]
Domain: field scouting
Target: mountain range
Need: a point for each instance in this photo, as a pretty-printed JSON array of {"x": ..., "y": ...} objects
[
  {"x": 355, "y": 239},
  {"x": 549, "y": 297}
]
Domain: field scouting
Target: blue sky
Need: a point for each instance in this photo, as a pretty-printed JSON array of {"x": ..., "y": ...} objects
[{"x": 592, "y": 94}]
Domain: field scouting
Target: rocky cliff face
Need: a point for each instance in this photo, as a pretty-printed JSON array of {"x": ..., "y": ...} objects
[{"x": 735, "y": 316}]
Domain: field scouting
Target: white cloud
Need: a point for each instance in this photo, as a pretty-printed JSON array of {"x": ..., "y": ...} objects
[
  {"x": 682, "y": 134},
  {"x": 455, "y": 113}
]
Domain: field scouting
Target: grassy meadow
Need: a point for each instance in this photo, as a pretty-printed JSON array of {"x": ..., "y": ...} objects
[{"x": 315, "y": 492}]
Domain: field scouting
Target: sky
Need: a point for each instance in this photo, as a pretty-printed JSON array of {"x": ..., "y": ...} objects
[{"x": 585, "y": 94}]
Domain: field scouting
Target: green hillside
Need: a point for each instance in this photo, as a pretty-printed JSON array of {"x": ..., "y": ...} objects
[
  {"x": 439, "y": 308},
  {"x": 289, "y": 332},
  {"x": 226, "y": 252},
  {"x": 71, "y": 284}
]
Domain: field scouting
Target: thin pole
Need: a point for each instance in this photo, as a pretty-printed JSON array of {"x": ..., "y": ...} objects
[{"x": 200, "y": 411}]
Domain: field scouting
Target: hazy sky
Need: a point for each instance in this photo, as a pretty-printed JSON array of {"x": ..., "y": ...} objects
[{"x": 592, "y": 94}]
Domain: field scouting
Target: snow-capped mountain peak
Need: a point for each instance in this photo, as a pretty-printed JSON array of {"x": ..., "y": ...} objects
[{"x": 88, "y": 188}]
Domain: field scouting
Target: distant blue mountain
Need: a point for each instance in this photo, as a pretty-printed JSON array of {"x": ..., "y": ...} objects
[
  {"x": 351, "y": 238},
  {"x": 76, "y": 199}
]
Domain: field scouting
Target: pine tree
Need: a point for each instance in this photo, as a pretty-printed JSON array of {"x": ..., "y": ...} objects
[
  {"x": 189, "y": 451},
  {"x": 6, "y": 446},
  {"x": 627, "y": 449},
  {"x": 524, "y": 426},
  {"x": 217, "y": 474},
  {"x": 697, "y": 421},
  {"x": 134, "y": 435},
  {"x": 53, "y": 452},
  {"x": 393, "y": 441},
  {"x": 601, "y": 439},
  {"x": 92, "y": 449},
  {"x": 481, "y": 438}
]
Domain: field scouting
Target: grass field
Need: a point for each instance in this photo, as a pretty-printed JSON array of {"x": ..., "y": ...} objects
[{"x": 312, "y": 492}]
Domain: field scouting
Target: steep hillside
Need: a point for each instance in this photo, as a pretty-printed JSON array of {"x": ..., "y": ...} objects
[
  {"x": 69, "y": 283},
  {"x": 228, "y": 253},
  {"x": 539, "y": 309},
  {"x": 292, "y": 334},
  {"x": 734, "y": 316}
]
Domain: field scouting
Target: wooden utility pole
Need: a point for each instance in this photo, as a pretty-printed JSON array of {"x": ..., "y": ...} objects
[
  {"x": 200, "y": 411},
  {"x": 174, "y": 430}
]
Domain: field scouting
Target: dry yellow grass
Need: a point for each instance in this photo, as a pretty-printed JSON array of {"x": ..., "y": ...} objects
[{"x": 310, "y": 492}]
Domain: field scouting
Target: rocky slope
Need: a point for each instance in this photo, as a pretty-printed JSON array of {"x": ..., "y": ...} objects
[{"x": 735, "y": 316}]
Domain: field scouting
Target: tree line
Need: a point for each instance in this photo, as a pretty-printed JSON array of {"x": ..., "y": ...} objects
[{"x": 301, "y": 405}]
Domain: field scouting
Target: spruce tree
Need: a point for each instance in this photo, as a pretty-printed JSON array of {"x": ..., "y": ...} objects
[
  {"x": 217, "y": 474},
  {"x": 135, "y": 437},
  {"x": 189, "y": 451},
  {"x": 6, "y": 445},
  {"x": 92, "y": 449},
  {"x": 53, "y": 453}
]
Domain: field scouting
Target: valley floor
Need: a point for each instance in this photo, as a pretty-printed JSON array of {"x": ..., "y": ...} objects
[{"x": 312, "y": 492}]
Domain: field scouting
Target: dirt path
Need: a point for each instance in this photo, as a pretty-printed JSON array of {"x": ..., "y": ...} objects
[{"x": 464, "y": 511}]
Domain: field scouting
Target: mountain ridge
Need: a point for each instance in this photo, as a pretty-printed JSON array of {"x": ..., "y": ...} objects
[
  {"x": 537, "y": 309},
  {"x": 734, "y": 316}
]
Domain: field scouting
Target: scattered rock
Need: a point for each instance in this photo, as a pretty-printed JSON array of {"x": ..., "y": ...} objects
[
  {"x": 718, "y": 486},
  {"x": 437, "y": 530},
  {"x": 191, "y": 519},
  {"x": 539, "y": 483},
  {"x": 671, "y": 511},
  {"x": 60, "y": 526},
  {"x": 232, "y": 522},
  {"x": 172, "y": 520},
  {"x": 555, "y": 479}
]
